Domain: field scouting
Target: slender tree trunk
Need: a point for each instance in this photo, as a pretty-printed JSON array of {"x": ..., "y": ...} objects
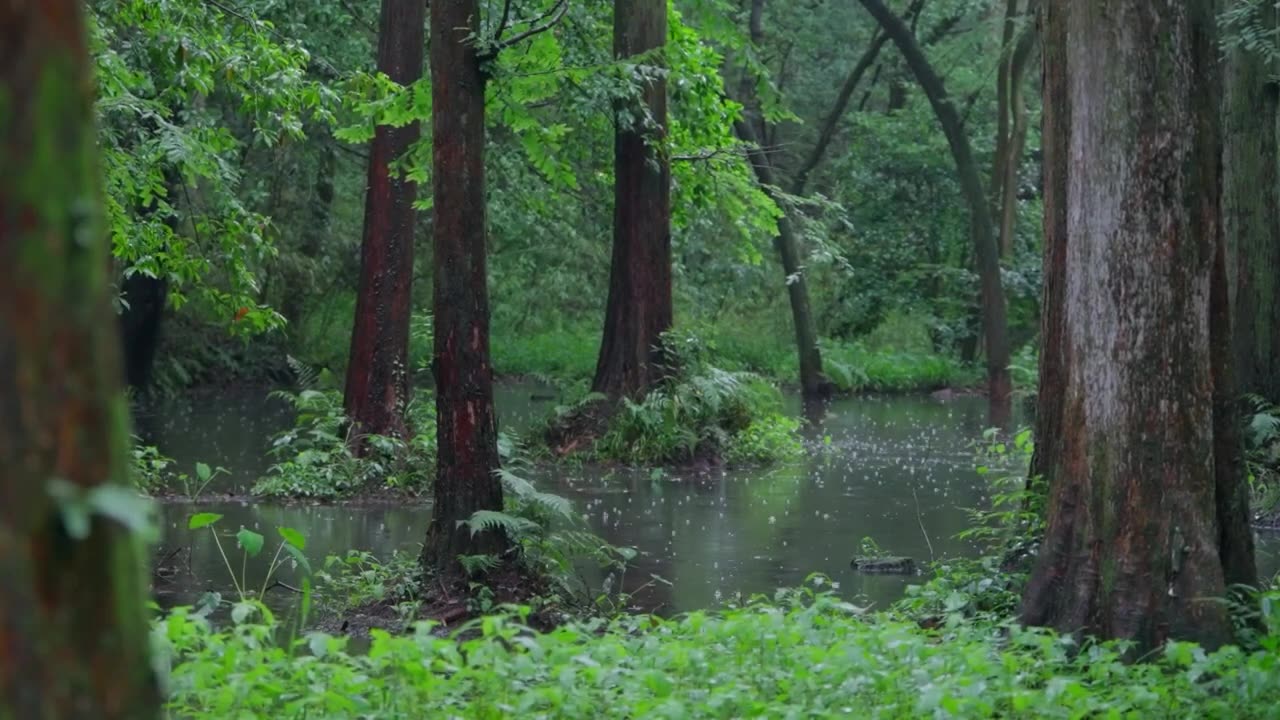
[
  {"x": 813, "y": 382},
  {"x": 1004, "y": 136},
  {"x": 378, "y": 371},
  {"x": 1251, "y": 212},
  {"x": 467, "y": 462},
  {"x": 1146, "y": 518},
  {"x": 1012, "y": 136},
  {"x": 640, "y": 307},
  {"x": 986, "y": 252},
  {"x": 73, "y": 628}
]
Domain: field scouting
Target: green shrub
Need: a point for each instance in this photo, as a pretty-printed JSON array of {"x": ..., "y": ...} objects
[
  {"x": 315, "y": 460},
  {"x": 154, "y": 473},
  {"x": 702, "y": 411}
]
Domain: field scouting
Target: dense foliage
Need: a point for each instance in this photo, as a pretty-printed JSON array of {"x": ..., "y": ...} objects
[
  {"x": 801, "y": 654},
  {"x": 234, "y": 133}
]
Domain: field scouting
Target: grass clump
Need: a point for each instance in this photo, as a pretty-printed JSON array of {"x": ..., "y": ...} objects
[{"x": 314, "y": 458}]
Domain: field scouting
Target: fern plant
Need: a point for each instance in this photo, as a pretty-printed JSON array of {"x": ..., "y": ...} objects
[
  {"x": 701, "y": 411},
  {"x": 549, "y": 538}
]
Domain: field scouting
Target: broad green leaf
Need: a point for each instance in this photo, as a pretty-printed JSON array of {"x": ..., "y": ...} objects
[
  {"x": 200, "y": 520},
  {"x": 203, "y": 471},
  {"x": 293, "y": 537},
  {"x": 299, "y": 557},
  {"x": 250, "y": 541}
]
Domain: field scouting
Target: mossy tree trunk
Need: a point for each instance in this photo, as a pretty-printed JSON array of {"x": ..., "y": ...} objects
[
  {"x": 640, "y": 307},
  {"x": 377, "y": 387},
  {"x": 73, "y": 628},
  {"x": 1251, "y": 213},
  {"x": 986, "y": 252},
  {"x": 1146, "y": 517},
  {"x": 467, "y": 463}
]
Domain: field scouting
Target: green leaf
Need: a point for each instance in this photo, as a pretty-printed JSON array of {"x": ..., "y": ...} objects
[
  {"x": 293, "y": 537},
  {"x": 204, "y": 472},
  {"x": 241, "y": 612},
  {"x": 200, "y": 520},
  {"x": 319, "y": 644},
  {"x": 297, "y": 555},
  {"x": 123, "y": 505},
  {"x": 250, "y": 541}
]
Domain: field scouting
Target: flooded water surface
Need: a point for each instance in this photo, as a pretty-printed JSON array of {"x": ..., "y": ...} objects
[{"x": 898, "y": 472}]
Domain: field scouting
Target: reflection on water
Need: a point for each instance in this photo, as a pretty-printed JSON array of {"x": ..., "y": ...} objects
[{"x": 898, "y": 470}]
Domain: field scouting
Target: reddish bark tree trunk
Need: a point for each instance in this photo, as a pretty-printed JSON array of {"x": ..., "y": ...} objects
[
  {"x": 73, "y": 629},
  {"x": 1146, "y": 519},
  {"x": 467, "y": 463},
  {"x": 377, "y": 387},
  {"x": 639, "y": 308}
]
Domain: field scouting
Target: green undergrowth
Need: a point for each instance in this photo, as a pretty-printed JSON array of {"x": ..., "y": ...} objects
[
  {"x": 1262, "y": 455},
  {"x": 949, "y": 649},
  {"x": 897, "y": 357},
  {"x": 154, "y": 473},
  {"x": 801, "y": 653},
  {"x": 699, "y": 413},
  {"x": 314, "y": 458}
]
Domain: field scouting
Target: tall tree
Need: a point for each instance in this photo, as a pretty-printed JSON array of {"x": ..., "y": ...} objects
[
  {"x": 73, "y": 630},
  {"x": 813, "y": 381},
  {"x": 467, "y": 462},
  {"x": 1147, "y": 517},
  {"x": 986, "y": 252},
  {"x": 377, "y": 388},
  {"x": 640, "y": 307},
  {"x": 751, "y": 130},
  {"x": 1251, "y": 199}
]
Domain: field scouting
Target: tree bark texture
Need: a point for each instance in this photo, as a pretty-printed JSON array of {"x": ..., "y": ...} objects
[
  {"x": 73, "y": 628},
  {"x": 377, "y": 387},
  {"x": 1146, "y": 516},
  {"x": 986, "y": 252},
  {"x": 467, "y": 462},
  {"x": 1251, "y": 213},
  {"x": 640, "y": 306}
]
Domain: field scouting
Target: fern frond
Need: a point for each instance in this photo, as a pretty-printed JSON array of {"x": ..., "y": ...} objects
[
  {"x": 513, "y": 527},
  {"x": 524, "y": 490}
]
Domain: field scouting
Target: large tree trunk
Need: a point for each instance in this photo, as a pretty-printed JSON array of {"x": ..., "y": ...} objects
[
  {"x": 813, "y": 382},
  {"x": 1146, "y": 519},
  {"x": 1251, "y": 214},
  {"x": 378, "y": 370},
  {"x": 467, "y": 462},
  {"x": 639, "y": 308},
  {"x": 986, "y": 252},
  {"x": 73, "y": 629}
]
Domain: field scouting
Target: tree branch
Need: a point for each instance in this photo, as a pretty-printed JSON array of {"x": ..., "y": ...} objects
[
  {"x": 832, "y": 122},
  {"x": 506, "y": 17},
  {"x": 346, "y": 5},
  {"x": 556, "y": 14}
]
